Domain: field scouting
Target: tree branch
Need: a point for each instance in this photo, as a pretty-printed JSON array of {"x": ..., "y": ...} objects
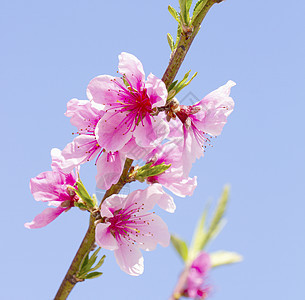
[{"x": 175, "y": 63}]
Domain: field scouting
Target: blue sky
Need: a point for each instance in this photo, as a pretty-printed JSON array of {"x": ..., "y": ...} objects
[{"x": 52, "y": 49}]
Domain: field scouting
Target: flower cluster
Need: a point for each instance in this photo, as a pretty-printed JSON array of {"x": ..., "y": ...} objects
[{"x": 125, "y": 117}]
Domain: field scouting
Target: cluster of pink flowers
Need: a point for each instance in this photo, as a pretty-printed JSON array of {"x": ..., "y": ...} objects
[{"x": 121, "y": 120}]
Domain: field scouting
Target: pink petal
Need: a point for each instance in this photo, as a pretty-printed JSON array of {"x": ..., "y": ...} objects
[
  {"x": 152, "y": 132},
  {"x": 182, "y": 187},
  {"x": 156, "y": 90},
  {"x": 134, "y": 151},
  {"x": 109, "y": 169},
  {"x": 132, "y": 68},
  {"x": 115, "y": 202},
  {"x": 156, "y": 232},
  {"x": 46, "y": 217},
  {"x": 104, "y": 238},
  {"x": 47, "y": 186},
  {"x": 102, "y": 89},
  {"x": 152, "y": 195},
  {"x": 83, "y": 113},
  {"x": 176, "y": 128},
  {"x": 112, "y": 133},
  {"x": 191, "y": 151},
  {"x": 82, "y": 149},
  {"x": 217, "y": 106},
  {"x": 130, "y": 259},
  {"x": 164, "y": 200}
]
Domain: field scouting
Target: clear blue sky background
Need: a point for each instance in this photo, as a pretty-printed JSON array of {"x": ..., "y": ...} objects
[{"x": 49, "y": 52}]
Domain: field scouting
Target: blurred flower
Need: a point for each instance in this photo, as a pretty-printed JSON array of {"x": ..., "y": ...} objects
[
  {"x": 129, "y": 226},
  {"x": 196, "y": 286}
]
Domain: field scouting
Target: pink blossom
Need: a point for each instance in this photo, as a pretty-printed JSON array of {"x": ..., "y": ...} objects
[
  {"x": 128, "y": 226},
  {"x": 202, "y": 120},
  {"x": 172, "y": 178},
  {"x": 129, "y": 103},
  {"x": 85, "y": 115},
  {"x": 196, "y": 286},
  {"x": 52, "y": 187}
]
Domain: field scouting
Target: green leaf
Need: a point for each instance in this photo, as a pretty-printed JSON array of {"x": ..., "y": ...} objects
[
  {"x": 84, "y": 261},
  {"x": 170, "y": 41},
  {"x": 99, "y": 264},
  {"x": 184, "y": 82},
  {"x": 179, "y": 31},
  {"x": 87, "y": 268},
  {"x": 188, "y": 4},
  {"x": 180, "y": 247},
  {"x": 185, "y": 11},
  {"x": 93, "y": 275},
  {"x": 221, "y": 207},
  {"x": 80, "y": 205},
  {"x": 83, "y": 194},
  {"x": 149, "y": 171},
  {"x": 172, "y": 85},
  {"x": 202, "y": 235},
  {"x": 198, "y": 235},
  {"x": 94, "y": 200},
  {"x": 220, "y": 258},
  {"x": 198, "y": 7},
  {"x": 174, "y": 13}
]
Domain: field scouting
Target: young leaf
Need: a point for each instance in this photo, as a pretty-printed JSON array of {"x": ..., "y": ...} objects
[
  {"x": 99, "y": 264},
  {"x": 198, "y": 7},
  {"x": 202, "y": 235},
  {"x": 83, "y": 194},
  {"x": 93, "y": 275},
  {"x": 179, "y": 31},
  {"x": 149, "y": 171},
  {"x": 220, "y": 258},
  {"x": 185, "y": 11},
  {"x": 84, "y": 261},
  {"x": 221, "y": 207},
  {"x": 188, "y": 4},
  {"x": 180, "y": 247},
  {"x": 173, "y": 84},
  {"x": 87, "y": 268},
  {"x": 174, "y": 13},
  {"x": 170, "y": 41},
  {"x": 198, "y": 236}
]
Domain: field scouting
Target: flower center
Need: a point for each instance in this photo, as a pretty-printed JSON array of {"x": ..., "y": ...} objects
[
  {"x": 135, "y": 104},
  {"x": 127, "y": 224}
]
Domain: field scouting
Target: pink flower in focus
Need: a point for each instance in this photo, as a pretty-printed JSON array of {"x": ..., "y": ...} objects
[
  {"x": 172, "y": 178},
  {"x": 52, "y": 187},
  {"x": 129, "y": 102},
  {"x": 129, "y": 226},
  {"x": 196, "y": 286},
  {"x": 85, "y": 115},
  {"x": 202, "y": 120}
]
